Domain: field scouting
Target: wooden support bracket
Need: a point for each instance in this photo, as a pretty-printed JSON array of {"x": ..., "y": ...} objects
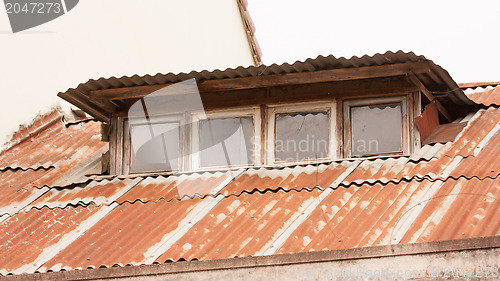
[{"x": 414, "y": 79}]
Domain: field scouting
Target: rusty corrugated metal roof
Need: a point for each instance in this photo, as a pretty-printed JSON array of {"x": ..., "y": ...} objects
[{"x": 443, "y": 191}]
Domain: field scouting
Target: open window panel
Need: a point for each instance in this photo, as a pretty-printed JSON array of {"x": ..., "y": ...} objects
[
  {"x": 226, "y": 139},
  {"x": 153, "y": 144},
  {"x": 299, "y": 133},
  {"x": 376, "y": 126}
]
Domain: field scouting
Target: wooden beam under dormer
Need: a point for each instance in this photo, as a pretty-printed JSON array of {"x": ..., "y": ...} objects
[{"x": 274, "y": 80}]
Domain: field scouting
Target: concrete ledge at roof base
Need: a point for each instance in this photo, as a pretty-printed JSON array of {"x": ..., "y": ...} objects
[
  {"x": 464, "y": 265},
  {"x": 464, "y": 259}
]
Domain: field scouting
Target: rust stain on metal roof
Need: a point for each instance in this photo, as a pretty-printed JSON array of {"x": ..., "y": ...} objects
[
  {"x": 96, "y": 192},
  {"x": 477, "y": 129},
  {"x": 356, "y": 217},
  {"x": 460, "y": 209},
  {"x": 25, "y": 236},
  {"x": 297, "y": 178},
  {"x": 488, "y": 96},
  {"x": 241, "y": 225},
  {"x": 123, "y": 236},
  {"x": 174, "y": 187},
  {"x": 43, "y": 150},
  {"x": 16, "y": 186}
]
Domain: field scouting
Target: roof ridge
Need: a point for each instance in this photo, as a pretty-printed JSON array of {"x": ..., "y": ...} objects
[{"x": 474, "y": 85}]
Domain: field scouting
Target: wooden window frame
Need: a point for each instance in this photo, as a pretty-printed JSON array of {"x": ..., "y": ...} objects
[
  {"x": 317, "y": 106},
  {"x": 234, "y": 112},
  {"x": 264, "y": 131},
  {"x": 406, "y": 131},
  {"x": 128, "y": 122}
]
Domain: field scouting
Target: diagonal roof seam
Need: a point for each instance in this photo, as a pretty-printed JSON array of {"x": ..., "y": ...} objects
[
  {"x": 415, "y": 178},
  {"x": 183, "y": 198},
  {"x": 68, "y": 205},
  {"x": 24, "y": 169},
  {"x": 21, "y": 206}
]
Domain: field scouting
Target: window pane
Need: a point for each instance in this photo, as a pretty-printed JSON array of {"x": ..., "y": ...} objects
[
  {"x": 376, "y": 129},
  {"x": 155, "y": 147},
  {"x": 226, "y": 142},
  {"x": 301, "y": 136}
]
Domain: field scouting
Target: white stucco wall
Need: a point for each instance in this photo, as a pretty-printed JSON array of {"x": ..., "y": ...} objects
[{"x": 113, "y": 38}]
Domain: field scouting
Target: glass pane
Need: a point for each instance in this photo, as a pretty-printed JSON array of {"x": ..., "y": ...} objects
[
  {"x": 226, "y": 142},
  {"x": 301, "y": 136},
  {"x": 376, "y": 129},
  {"x": 155, "y": 147}
]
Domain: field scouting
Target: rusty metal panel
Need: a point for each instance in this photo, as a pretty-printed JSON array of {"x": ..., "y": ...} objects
[
  {"x": 427, "y": 121},
  {"x": 488, "y": 96},
  {"x": 63, "y": 153},
  {"x": 485, "y": 164},
  {"x": 16, "y": 186},
  {"x": 24, "y": 237},
  {"x": 240, "y": 226},
  {"x": 124, "y": 236},
  {"x": 378, "y": 202},
  {"x": 463, "y": 208},
  {"x": 95, "y": 192},
  {"x": 45, "y": 150},
  {"x": 444, "y": 133},
  {"x": 356, "y": 217},
  {"x": 292, "y": 178},
  {"x": 476, "y": 130},
  {"x": 175, "y": 187}
]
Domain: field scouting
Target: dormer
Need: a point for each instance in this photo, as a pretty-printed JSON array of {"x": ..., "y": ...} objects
[{"x": 320, "y": 110}]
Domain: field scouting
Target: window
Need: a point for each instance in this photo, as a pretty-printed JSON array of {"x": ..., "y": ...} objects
[
  {"x": 375, "y": 126},
  {"x": 226, "y": 139},
  {"x": 301, "y": 132},
  {"x": 153, "y": 144},
  {"x": 239, "y": 137}
]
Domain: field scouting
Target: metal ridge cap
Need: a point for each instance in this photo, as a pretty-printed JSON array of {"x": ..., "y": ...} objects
[{"x": 475, "y": 85}]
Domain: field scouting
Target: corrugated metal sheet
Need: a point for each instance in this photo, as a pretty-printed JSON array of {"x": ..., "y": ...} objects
[
  {"x": 476, "y": 131},
  {"x": 241, "y": 226},
  {"x": 60, "y": 160},
  {"x": 294, "y": 178},
  {"x": 125, "y": 236},
  {"x": 436, "y": 80},
  {"x": 175, "y": 187},
  {"x": 487, "y": 96},
  {"x": 98, "y": 193},
  {"x": 355, "y": 217},
  {"x": 25, "y": 237},
  {"x": 43, "y": 150},
  {"x": 460, "y": 209},
  {"x": 17, "y": 187}
]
